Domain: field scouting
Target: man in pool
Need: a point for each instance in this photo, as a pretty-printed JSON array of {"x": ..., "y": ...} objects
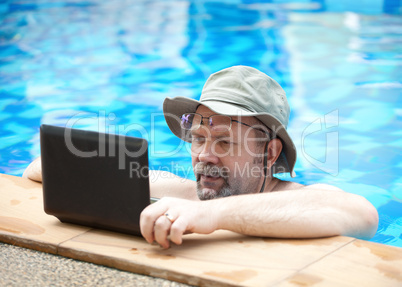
[{"x": 239, "y": 141}]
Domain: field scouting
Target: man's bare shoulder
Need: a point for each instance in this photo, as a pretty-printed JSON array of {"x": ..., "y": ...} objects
[
  {"x": 286, "y": 185},
  {"x": 290, "y": 185}
]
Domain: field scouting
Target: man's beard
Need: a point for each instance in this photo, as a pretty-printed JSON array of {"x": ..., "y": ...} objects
[{"x": 225, "y": 190}]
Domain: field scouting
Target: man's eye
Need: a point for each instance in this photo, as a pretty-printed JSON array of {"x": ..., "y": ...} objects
[
  {"x": 197, "y": 139},
  {"x": 225, "y": 142}
]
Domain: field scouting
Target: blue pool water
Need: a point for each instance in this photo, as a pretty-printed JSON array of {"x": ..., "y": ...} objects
[{"x": 108, "y": 65}]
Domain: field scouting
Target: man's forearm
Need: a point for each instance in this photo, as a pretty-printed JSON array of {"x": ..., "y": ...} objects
[
  {"x": 163, "y": 183},
  {"x": 303, "y": 213}
]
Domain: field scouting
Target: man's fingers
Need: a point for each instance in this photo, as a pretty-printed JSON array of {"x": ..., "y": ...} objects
[
  {"x": 164, "y": 220},
  {"x": 177, "y": 230},
  {"x": 147, "y": 226},
  {"x": 148, "y": 218},
  {"x": 161, "y": 231}
]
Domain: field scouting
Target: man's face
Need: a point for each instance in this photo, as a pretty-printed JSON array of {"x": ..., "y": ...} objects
[{"x": 226, "y": 162}]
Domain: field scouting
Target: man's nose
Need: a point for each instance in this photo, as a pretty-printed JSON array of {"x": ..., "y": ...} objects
[{"x": 207, "y": 153}]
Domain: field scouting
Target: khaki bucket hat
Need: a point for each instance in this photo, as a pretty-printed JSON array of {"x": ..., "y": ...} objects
[{"x": 241, "y": 91}]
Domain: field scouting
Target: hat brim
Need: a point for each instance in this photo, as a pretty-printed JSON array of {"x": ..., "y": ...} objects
[{"x": 174, "y": 108}]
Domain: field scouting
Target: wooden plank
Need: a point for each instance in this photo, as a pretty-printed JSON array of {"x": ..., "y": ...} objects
[
  {"x": 135, "y": 255},
  {"x": 221, "y": 258},
  {"x": 23, "y": 221},
  {"x": 360, "y": 263}
]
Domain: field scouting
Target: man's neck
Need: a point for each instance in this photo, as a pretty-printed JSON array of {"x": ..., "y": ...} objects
[{"x": 270, "y": 183}]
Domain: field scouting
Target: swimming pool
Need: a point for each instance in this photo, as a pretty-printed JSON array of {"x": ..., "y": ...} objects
[{"x": 108, "y": 65}]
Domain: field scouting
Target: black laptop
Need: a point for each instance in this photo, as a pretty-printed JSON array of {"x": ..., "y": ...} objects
[{"x": 94, "y": 179}]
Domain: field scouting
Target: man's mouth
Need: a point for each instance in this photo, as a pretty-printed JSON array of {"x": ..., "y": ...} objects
[
  {"x": 210, "y": 177},
  {"x": 202, "y": 169},
  {"x": 211, "y": 182}
]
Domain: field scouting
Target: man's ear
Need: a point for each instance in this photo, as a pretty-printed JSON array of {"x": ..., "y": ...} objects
[{"x": 274, "y": 150}]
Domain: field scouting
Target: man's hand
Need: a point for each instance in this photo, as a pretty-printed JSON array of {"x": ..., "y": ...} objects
[
  {"x": 183, "y": 216},
  {"x": 34, "y": 170}
]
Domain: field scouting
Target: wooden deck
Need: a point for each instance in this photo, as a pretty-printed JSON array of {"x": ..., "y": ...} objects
[{"x": 221, "y": 258}]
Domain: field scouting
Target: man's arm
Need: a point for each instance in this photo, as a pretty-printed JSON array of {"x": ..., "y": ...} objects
[
  {"x": 308, "y": 212},
  {"x": 166, "y": 184}
]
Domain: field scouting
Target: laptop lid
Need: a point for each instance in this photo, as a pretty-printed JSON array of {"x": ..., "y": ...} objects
[{"x": 94, "y": 179}]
